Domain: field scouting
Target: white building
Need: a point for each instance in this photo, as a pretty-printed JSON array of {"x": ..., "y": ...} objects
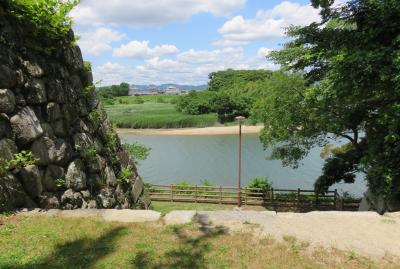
[
  {"x": 172, "y": 91},
  {"x": 133, "y": 90}
]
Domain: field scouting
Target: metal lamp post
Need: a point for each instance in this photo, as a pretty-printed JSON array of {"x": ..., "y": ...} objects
[{"x": 239, "y": 198}]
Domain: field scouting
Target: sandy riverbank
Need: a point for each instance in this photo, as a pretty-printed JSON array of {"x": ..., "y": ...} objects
[{"x": 223, "y": 130}]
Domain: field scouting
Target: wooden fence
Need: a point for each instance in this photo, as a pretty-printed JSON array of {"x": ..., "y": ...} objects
[{"x": 277, "y": 199}]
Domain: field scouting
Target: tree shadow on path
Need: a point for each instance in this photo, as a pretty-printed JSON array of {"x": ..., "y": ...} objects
[
  {"x": 82, "y": 253},
  {"x": 190, "y": 253}
]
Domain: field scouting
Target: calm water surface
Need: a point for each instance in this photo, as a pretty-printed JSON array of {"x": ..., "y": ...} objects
[{"x": 193, "y": 158}]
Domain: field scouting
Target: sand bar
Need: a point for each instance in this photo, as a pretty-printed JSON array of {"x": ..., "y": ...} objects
[{"x": 223, "y": 130}]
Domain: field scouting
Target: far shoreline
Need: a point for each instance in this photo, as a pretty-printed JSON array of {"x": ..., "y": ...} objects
[{"x": 216, "y": 130}]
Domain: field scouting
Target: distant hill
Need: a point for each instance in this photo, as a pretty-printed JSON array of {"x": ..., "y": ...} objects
[{"x": 178, "y": 86}]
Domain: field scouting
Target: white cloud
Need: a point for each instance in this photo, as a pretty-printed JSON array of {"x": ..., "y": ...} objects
[
  {"x": 141, "y": 50},
  {"x": 189, "y": 67},
  {"x": 263, "y": 52},
  {"x": 99, "y": 41},
  {"x": 267, "y": 24},
  {"x": 149, "y": 13}
]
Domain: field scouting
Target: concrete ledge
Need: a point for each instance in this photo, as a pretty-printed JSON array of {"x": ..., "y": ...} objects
[
  {"x": 179, "y": 217},
  {"x": 128, "y": 215}
]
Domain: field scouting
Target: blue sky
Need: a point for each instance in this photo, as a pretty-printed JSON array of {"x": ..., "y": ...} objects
[{"x": 182, "y": 41}]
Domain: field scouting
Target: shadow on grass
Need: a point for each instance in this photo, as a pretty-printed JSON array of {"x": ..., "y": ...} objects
[
  {"x": 190, "y": 253},
  {"x": 82, "y": 253}
]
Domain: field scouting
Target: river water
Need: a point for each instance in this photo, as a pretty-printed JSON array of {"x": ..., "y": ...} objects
[{"x": 195, "y": 158}]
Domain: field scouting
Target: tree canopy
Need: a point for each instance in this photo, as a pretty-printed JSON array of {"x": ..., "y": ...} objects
[{"x": 351, "y": 62}]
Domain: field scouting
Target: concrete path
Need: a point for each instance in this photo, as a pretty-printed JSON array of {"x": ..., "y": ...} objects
[
  {"x": 363, "y": 232},
  {"x": 366, "y": 233},
  {"x": 124, "y": 215}
]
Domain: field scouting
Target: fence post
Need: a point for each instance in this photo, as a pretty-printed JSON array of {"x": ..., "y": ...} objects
[
  {"x": 316, "y": 200},
  {"x": 220, "y": 194},
  {"x": 172, "y": 192},
  {"x": 298, "y": 199},
  {"x": 272, "y": 198},
  {"x": 195, "y": 194},
  {"x": 245, "y": 196},
  {"x": 335, "y": 199}
]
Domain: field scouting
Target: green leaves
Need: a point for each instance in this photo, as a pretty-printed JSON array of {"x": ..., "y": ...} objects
[
  {"x": 49, "y": 17},
  {"x": 351, "y": 64}
]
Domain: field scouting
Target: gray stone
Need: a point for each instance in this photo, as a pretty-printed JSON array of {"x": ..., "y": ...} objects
[
  {"x": 111, "y": 179},
  {"x": 31, "y": 180},
  {"x": 49, "y": 151},
  {"x": 55, "y": 91},
  {"x": 137, "y": 189},
  {"x": 49, "y": 201},
  {"x": 76, "y": 177},
  {"x": 33, "y": 69},
  {"x": 144, "y": 200},
  {"x": 53, "y": 172},
  {"x": 7, "y": 149},
  {"x": 48, "y": 130},
  {"x": 59, "y": 128},
  {"x": 20, "y": 100},
  {"x": 106, "y": 198},
  {"x": 71, "y": 199},
  {"x": 82, "y": 108},
  {"x": 8, "y": 78},
  {"x": 86, "y": 195},
  {"x": 92, "y": 204},
  {"x": 12, "y": 195},
  {"x": 53, "y": 111},
  {"x": 82, "y": 141},
  {"x": 73, "y": 57},
  {"x": 26, "y": 126},
  {"x": 36, "y": 91},
  {"x": 7, "y": 101},
  {"x": 5, "y": 127}
]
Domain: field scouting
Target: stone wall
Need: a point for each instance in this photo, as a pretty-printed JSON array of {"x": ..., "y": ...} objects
[{"x": 48, "y": 107}]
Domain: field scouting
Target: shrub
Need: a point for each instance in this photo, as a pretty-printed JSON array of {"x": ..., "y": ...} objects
[
  {"x": 137, "y": 151},
  {"x": 21, "y": 159},
  {"x": 260, "y": 183},
  {"x": 49, "y": 17},
  {"x": 125, "y": 175},
  {"x": 89, "y": 154}
]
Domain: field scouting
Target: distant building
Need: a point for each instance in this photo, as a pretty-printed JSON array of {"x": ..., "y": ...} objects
[
  {"x": 172, "y": 91},
  {"x": 133, "y": 90}
]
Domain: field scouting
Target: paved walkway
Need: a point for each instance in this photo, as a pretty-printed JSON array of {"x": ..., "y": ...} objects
[{"x": 363, "y": 232}]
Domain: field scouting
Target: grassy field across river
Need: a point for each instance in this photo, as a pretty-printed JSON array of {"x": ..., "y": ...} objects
[
  {"x": 155, "y": 112},
  {"x": 55, "y": 242}
]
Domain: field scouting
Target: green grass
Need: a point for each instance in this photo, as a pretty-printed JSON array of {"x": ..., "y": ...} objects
[
  {"x": 54, "y": 242},
  {"x": 165, "y": 207},
  {"x": 155, "y": 115}
]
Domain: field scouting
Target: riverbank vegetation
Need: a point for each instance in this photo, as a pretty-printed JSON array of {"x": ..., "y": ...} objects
[
  {"x": 153, "y": 112},
  {"x": 54, "y": 242}
]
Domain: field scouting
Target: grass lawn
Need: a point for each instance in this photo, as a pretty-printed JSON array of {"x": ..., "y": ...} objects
[
  {"x": 54, "y": 242},
  {"x": 165, "y": 207},
  {"x": 155, "y": 115}
]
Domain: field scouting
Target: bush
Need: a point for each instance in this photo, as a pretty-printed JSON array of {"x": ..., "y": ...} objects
[
  {"x": 260, "y": 183},
  {"x": 137, "y": 151}
]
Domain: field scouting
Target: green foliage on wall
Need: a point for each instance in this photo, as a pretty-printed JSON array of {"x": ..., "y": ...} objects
[{"x": 48, "y": 17}]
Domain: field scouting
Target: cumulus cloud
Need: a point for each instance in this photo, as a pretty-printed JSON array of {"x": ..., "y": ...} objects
[
  {"x": 141, "y": 50},
  {"x": 149, "y": 13},
  {"x": 98, "y": 41},
  {"x": 267, "y": 24},
  {"x": 191, "y": 67}
]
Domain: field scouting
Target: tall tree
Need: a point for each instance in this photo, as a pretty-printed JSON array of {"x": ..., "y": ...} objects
[{"x": 351, "y": 62}]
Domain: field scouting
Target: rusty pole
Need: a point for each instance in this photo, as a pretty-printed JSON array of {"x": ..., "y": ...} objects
[{"x": 239, "y": 198}]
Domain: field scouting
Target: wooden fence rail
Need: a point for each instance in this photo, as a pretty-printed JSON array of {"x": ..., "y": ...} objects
[{"x": 277, "y": 199}]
